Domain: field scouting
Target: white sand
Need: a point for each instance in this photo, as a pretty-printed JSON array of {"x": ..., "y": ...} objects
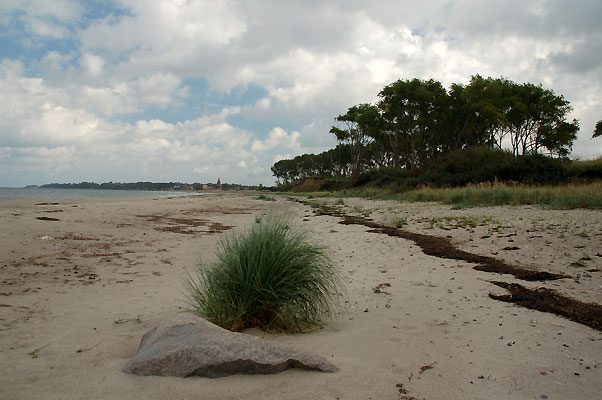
[{"x": 84, "y": 327}]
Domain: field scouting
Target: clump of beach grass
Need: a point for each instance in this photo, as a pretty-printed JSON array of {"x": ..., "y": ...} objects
[
  {"x": 271, "y": 276},
  {"x": 266, "y": 198}
]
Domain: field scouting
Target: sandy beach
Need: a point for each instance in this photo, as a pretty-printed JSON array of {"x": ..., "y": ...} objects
[{"x": 81, "y": 281}]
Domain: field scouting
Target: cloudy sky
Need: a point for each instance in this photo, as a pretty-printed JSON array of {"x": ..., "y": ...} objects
[{"x": 176, "y": 90}]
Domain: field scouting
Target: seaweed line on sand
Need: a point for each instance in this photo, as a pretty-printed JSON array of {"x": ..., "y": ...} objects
[
  {"x": 547, "y": 300},
  {"x": 541, "y": 299},
  {"x": 443, "y": 248}
]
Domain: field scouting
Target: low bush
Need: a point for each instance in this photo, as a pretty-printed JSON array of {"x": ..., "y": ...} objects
[
  {"x": 586, "y": 170},
  {"x": 270, "y": 276},
  {"x": 335, "y": 183},
  {"x": 470, "y": 165},
  {"x": 320, "y": 184},
  {"x": 385, "y": 177},
  {"x": 535, "y": 169},
  {"x": 473, "y": 165}
]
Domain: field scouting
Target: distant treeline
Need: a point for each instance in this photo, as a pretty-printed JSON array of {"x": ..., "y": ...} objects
[
  {"x": 149, "y": 186},
  {"x": 418, "y": 124}
]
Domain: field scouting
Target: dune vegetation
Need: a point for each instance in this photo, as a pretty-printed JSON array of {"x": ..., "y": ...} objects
[
  {"x": 271, "y": 276},
  {"x": 490, "y": 142}
]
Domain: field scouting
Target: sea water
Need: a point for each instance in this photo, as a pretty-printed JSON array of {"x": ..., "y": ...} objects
[{"x": 36, "y": 193}]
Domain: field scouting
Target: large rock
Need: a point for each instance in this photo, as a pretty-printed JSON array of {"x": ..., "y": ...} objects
[{"x": 191, "y": 346}]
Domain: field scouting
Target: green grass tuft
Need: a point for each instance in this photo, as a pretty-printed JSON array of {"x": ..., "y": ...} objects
[
  {"x": 266, "y": 198},
  {"x": 270, "y": 276}
]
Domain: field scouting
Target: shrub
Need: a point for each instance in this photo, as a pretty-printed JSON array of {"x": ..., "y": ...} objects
[
  {"x": 586, "y": 170},
  {"x": 535, "y": 169},
  {"x": 470, "y": 165},
  {"x": 383, "y": 177},
  {"x": 270, "y": 276},
  {"x": 475, "y": 165},
  {"x": 335, "y": 183}
]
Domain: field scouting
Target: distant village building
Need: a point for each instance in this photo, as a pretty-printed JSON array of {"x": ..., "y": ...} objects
[{"x": 217, "y": 187}]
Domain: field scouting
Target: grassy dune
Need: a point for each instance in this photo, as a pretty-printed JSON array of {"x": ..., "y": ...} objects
[
  {"x": 556, "y": 197},
  {"x": 563, "y": 197}
]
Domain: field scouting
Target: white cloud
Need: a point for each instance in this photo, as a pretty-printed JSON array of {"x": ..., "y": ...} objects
[
  {"x": 123, "y": 97},
  {"x": 277, "y": 138},
  {"x": 45, "y": 28},
  {"x": 62, "y": 10},
  {"x": 43, "y": 133},
  {"x": 46, "y": 19},
  {"x": 176, "y": 36},
  {"x": 91, "y": 63},
  {"x": 313, "y": 59},
  {"x": 58, "y": 125}
]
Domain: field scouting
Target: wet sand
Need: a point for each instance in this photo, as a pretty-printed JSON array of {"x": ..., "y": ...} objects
[{"x": 81, "y": 281}]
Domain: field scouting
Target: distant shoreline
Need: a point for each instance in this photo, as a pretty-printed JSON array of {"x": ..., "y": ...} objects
[
  {"x": 57, "y": 194},
  {"x": 148, "y": 186}
]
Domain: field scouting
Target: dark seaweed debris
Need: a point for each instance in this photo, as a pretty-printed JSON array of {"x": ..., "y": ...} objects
[
  {"x": 540, "y": 299},
  {"x": 443, "y": 248},
  {"x": 548, "y": 300},
  {"x": 47, "y": 219}
]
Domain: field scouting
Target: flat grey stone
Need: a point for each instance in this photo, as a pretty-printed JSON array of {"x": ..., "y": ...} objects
[{"x": 191, "y": 346}]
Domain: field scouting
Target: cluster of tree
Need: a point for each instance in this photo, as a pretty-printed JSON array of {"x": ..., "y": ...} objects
[
  {"x": 333, "y": 162},
  {"x": 415, "y": 122}
]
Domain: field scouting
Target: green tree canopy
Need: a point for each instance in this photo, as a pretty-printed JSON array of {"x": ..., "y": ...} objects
[
  {"x": 416, "y": 122},
  {"x": 361, "y": 127},
  {"x": 413, "y": 117}
]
